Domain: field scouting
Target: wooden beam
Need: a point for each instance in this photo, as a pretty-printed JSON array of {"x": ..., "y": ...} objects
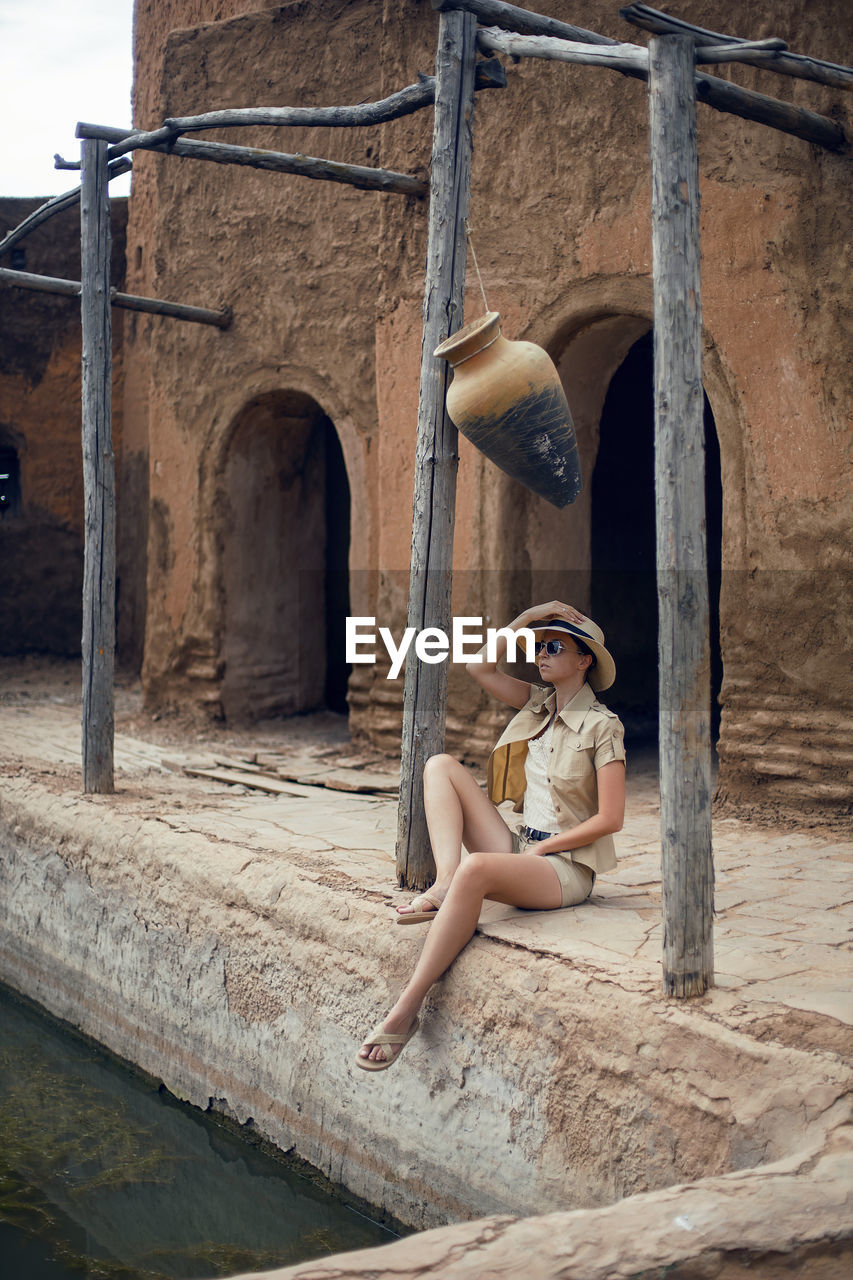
[
  {"x": 735, "y": 52},
  {"x": 364, "y": 114},
  {"x": 785, "y": 63},
  {"x": 631, "y": 59},
  {"x": 221, "y": 319},
  {"x": 126, "y": 301},
  {"x": 512, "y": 18},
  {"x": 716, "y": 93},
  {"x": 41, "y": 284},
  {"x": 684, "y": 650},
  {"x": 436, "y": 459},
  {"x": 355, "y": 175},
  {"x": 99, "y": 556},
  {"x": 711, "y": 90},
  {"x": 403, "y": 103},
  {"x": 53, "y": 206},
  {"x": 784, "y": 116}
]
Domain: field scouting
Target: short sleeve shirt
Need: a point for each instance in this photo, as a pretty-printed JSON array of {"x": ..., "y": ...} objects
[{"x": 586, "y": 736}]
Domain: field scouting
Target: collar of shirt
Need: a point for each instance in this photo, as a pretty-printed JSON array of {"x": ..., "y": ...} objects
[{"x": 574, "y": 712}]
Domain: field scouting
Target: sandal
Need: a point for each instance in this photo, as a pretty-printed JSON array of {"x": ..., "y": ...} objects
[
  {"x": 419, "y": 917},
  {"x": 378, "y": 1036}
]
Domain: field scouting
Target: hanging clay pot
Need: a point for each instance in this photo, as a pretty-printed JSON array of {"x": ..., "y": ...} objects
[{"x": 507, "y": 399}]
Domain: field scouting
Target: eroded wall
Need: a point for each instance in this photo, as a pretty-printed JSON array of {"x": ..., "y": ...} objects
[{"x": 326, "y": 284}]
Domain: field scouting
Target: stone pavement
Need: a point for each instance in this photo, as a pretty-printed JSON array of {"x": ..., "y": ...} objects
[{"x": 783, "y": 899}]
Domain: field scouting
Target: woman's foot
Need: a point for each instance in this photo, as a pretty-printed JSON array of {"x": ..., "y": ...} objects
[
  {"x": 423, "y": 907},
  {"x": 385, "y": 1043}
]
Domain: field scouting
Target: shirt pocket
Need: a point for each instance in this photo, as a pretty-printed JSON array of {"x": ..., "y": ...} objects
[{"x": 574, "y": 759}]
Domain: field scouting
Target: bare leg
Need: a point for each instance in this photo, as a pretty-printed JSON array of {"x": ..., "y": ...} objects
[
  {"x": 458, "y": 813},
  {"x": 524, "y": 880}
]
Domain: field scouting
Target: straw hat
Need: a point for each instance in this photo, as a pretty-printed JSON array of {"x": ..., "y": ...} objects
[{"x": 603, "y": 673}]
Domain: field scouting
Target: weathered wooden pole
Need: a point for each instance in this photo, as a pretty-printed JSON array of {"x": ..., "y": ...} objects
[
  {"x": 98, "y": 473},
  {"x": 684, "y": 654},
  {"x": 436, "y": 458}
]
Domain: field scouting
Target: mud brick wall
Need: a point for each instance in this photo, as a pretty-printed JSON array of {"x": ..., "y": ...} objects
[{"x": 326, "y": 286}]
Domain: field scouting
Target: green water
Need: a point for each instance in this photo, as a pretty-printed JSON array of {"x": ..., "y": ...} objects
[{"x": 104, "y": 1176}]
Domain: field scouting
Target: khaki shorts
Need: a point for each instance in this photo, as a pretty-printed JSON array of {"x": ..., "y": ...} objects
[{"x": 576, "y": 880}]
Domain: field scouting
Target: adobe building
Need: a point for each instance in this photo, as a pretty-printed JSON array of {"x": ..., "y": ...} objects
[
  {"x": 41, "y": 476},
  {"x": 275, "y": 459}
]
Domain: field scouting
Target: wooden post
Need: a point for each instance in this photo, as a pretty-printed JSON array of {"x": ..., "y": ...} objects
[
  {"x": 436, "y": 457},
  {"x": 685, "y": 741},
  {"x": 98, "y": 473}
]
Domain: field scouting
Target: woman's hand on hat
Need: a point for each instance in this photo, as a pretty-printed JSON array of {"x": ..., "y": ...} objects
[{"x": 552, "y": 609}]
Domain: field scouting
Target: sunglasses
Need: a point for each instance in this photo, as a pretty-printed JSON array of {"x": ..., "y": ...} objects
[{"x": 551, "y": 647}]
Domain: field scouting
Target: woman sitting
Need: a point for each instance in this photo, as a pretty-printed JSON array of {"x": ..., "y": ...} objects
[{"x": 561, "y": 760}]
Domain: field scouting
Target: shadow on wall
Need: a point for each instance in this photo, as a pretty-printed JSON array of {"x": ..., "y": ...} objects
[{"x": 284, "y": 536}]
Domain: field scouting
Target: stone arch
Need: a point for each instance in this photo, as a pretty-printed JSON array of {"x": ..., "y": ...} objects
[{"x": 280, "y": 505}]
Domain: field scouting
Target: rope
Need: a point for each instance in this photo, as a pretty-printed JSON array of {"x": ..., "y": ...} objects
[{"x": 476, "y": 264}]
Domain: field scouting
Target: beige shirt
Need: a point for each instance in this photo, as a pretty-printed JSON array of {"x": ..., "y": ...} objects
[
  {"x": 586, "y": 736},
  {"x": 538, "y": 805}
]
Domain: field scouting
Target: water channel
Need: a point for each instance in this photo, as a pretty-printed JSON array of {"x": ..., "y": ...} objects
[{"x": 107, "y": 1177}]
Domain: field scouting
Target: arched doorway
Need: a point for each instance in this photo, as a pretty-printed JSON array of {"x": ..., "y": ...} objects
[
  {"x": 623, "y": 583},
  {"x": 284, "y": 535}
]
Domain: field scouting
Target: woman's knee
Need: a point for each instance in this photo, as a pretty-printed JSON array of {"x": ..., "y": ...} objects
[
  {"x": 440, "y": 766},
  {"x": 473, "y": 872}
]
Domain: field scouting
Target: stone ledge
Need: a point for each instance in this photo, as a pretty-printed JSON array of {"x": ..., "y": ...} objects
[{"x": 245, "y": 977}]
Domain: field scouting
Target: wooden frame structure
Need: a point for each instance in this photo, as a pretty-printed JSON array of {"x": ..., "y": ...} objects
[{"x": 669, "y": 64}]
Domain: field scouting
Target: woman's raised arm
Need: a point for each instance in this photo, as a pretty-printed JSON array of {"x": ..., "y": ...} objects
[{"x": 506, "y": 688}]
